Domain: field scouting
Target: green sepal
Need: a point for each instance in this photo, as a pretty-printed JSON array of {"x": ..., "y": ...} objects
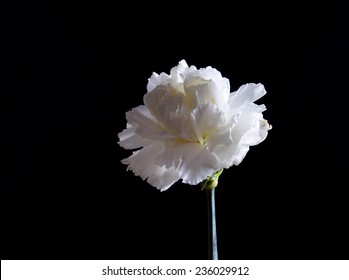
[{"x": 212, "y": 181}]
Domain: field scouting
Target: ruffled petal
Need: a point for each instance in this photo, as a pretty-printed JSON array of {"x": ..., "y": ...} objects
[
  {"x": 220, "y": 86},
  {"x": 248, "y": 125},
  {"x": 250, "y": 129},
  {"x": 220, "y": 138},
  {"x": 246, "y": 94},
  {"x": 162, "y": 178},
  {"x": 207, "y": 119},
  {"x": 178, "y": 73},
  {"x": 231, "y": 154},
  {"x": 156, "y": 80},
  {"x": 142, "y": 164},
  {"x": 192, "y": 160},
  {"x": 130, "y": 140},
  {"x": 170, "y": 112},
  {"x": 145, "y": 124},
  {"x": 264, "y": 128},
  {"x": 163, "y": 100},
  {"x": 199, "y": 91}
]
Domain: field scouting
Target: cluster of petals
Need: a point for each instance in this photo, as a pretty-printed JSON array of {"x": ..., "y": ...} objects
[{"x": 191, "y": 125}]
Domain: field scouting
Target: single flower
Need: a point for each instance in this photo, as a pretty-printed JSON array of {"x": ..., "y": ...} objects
[{"x": 191, "y": 126}]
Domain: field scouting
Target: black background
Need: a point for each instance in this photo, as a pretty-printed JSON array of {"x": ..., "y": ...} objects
[{"x": 76, "y": 69}]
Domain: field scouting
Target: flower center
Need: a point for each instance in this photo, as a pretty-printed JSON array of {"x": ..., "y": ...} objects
[{"x": 182, "y": 140}]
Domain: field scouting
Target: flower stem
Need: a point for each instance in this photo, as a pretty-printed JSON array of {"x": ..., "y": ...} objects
[{"x": 212, "y": 233}]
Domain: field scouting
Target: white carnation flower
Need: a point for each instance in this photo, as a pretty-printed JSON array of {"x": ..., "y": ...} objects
[{"x": 191, "y": 126}]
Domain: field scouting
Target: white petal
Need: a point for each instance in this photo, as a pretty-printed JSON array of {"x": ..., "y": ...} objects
[
  {"x": 246, "y": 94},
  {"x": 160, "y": 101},
  {"x": 200, "y": 91},
  {"x": 210, "y": 73},
  {"x": 264, "y": 128},
  {"x": 197, "y": 163},
  {"x": 182, "y": 65},
  {"x": 180, "y": 125},
  {"x": 162, "y": 178},
  {"x": 221, "y": 88},
  {"x": 207, "y": 118},
  {"x": 142, "y": 164},
  {"x": 156, "y": 80},
  {"x": 130, "y": 140},
  {"x": 178, "y": 73},
  {"x": 170, "y": 111},
  {"x": 248, "y": 125},
  {"x": 231, "y": 155},
  {"x": 175, "y": 78},
  {"x": 145, "y": 124},
  {"x": 250, "y": 129},
  {"x": 192, "y": 160},
  {"x": 224, "y": 92},
  {"x": 220, "y": 138}
]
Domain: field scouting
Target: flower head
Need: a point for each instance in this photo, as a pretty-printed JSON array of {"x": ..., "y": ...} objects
[{"x": 191, "y": 126}]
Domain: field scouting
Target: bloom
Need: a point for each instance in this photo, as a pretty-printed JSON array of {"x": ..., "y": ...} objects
[{"x": 191, "y": 126}]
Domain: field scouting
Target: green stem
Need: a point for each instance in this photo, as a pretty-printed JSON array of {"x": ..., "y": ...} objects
[{"x": 212, "y": 233}]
